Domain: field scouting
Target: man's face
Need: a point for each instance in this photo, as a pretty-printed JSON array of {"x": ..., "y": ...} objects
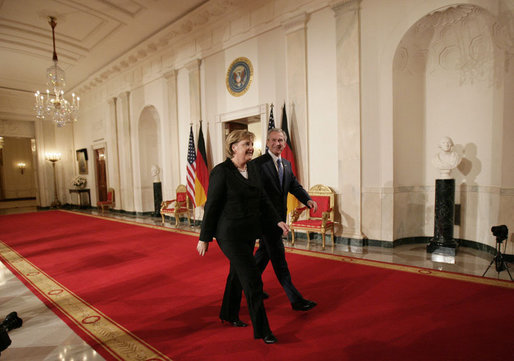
[
  {"x": 445, "y": 144},
  {"x": 276, "y": 143}
]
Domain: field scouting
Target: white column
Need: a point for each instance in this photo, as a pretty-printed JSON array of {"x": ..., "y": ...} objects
[
  {"x": 195, "y": 110},
  {"x": 349, "y": 115},
  {"x": 296, "y": 103},
  {"x": 171, "y": 165},
  {"x": 126, "y": 198},
  {"x": 113, "y": 160}
]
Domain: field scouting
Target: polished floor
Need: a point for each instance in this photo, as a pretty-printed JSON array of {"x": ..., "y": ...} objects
[{"x": 45, "y": 337}]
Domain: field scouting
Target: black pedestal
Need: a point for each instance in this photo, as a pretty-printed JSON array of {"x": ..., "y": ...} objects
[
  {"x": 157, "y": 198},
  {"x": 443, "y": 241}
]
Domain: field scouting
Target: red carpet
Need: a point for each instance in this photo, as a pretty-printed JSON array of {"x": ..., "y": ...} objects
[{"x": 142, "y": 293}]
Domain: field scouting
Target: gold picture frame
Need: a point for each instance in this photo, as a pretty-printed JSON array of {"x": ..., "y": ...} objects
[
  {"x": 239, "y": 76},
  {"x": 82, "y": 160}
]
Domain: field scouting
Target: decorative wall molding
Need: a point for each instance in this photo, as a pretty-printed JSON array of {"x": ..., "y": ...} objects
[
  {"x": 459, "y": 38},
  {"x": 14, "y": 128},
  {"x": 295, "y": 23},
  {"x": 184, "y": 40}
]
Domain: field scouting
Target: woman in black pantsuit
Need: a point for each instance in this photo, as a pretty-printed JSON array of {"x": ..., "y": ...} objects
[{"x": 236, "y": 212}]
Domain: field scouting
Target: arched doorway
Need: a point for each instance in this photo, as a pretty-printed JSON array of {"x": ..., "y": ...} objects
[
  {"x": 447, "y": 81},
  {"x": 149, "y": 154}
]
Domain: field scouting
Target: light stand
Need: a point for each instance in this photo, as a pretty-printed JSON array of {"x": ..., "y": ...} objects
[
  {"x": 501, "y": 233},
  {"x": 54, "y": 158}
]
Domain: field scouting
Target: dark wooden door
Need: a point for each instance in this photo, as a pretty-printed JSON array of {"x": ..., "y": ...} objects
[{"x": 101, "y": 174}]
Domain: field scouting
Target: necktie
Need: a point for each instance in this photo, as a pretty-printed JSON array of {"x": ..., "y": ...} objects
[{"x": 280, "y": 171}]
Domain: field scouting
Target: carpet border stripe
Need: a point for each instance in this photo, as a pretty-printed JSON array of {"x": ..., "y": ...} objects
[
  {"x": 120, "y": 343},
  {"x": 354, "y": 260},
  {"x": 405, "y": 268},
  {"x": 342, "y": 258}
]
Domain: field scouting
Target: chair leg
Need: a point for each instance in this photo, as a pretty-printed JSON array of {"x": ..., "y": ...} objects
[
  {"x": 177, "y": 220},
  {"x": 292, "y": 237},
  {"x": 308, "y": 239},
  {"x": 162, "y": 216},
  {"x": 333, "y": 239},
  {"x": 323, "y": 239}
]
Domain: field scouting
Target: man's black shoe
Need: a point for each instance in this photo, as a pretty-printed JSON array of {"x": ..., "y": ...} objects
[
  {"x": 269, "y": 339},
  {"x": 303, "y": 305},
  {"x": 265, "y": 295},
  {"x": 11, "y": 322},
  {"x": 235, "y": 323}
]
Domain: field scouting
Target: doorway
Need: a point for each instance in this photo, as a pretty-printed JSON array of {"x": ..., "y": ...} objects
[
  {"x": 252, "y": 124},
  {"x": 101, "y": 174},
  {"x": 17, "y": 169}
]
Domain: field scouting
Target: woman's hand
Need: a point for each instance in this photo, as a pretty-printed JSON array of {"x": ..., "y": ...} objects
[
  {"x": 202, "y": 247},
  {"x": 284, "y": 227}
]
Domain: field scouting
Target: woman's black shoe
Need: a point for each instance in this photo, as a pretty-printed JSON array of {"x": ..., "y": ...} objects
[
  {"x": 11, "y": 322},
  {"x": 269, "y": 339},
  {"x": 236, "y": 323}
]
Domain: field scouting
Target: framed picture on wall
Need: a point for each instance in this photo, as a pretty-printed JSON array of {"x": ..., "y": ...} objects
[{"x": 82, "y": 160}]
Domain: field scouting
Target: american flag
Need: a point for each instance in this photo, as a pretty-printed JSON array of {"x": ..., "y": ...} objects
[
  {"x": 191, "y": 167},
  {"x": 271, "y": 123}
]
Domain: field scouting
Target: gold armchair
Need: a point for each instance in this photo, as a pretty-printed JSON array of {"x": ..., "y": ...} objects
[
  {"x": 320, "y": 221},
  {"x": 178, "y": 206}
]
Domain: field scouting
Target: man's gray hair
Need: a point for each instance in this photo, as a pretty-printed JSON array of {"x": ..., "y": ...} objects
[{"x": 273, "y": 130}]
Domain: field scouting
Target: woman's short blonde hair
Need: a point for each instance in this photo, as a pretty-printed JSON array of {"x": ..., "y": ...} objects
[{"x": 235, "y": 137}]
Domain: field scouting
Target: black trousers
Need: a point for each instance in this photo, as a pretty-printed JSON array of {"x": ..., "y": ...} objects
[
  {"x": 243, "y": 276},
  {"x": 271, "y": 248}
]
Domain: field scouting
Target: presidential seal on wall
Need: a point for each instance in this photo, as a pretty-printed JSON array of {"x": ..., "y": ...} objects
[{"x": 239, "y": 76}]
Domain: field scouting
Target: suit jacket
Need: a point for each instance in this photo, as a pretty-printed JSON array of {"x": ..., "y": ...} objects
[
  {"x": 236, "y": 207},
  {"x": 271, "y": 183}
]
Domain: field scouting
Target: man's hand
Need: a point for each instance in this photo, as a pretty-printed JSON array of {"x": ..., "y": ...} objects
[
  {"x": 312, "y": 204},
  {"x": 284, "y": 227},
  {"x": 202, "y": 247}
]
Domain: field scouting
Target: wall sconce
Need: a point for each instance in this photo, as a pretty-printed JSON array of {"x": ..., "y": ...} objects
[{"x": 21, "y": 166}]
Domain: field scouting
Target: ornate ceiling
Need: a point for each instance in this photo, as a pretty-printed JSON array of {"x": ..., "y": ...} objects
[{"x": 90, "y": 34}]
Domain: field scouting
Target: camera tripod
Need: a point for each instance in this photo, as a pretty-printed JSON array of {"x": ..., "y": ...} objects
[{"x": 499, "y": 261}]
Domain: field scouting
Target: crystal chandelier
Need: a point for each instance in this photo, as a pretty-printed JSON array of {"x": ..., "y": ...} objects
[{"x": 54, "y": 106}]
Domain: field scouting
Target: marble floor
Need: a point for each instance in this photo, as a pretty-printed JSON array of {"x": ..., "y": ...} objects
[{"x": 44, "y": 337}]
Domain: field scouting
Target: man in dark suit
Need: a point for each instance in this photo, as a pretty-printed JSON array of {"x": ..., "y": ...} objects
[{"x": 278, "y": 180}]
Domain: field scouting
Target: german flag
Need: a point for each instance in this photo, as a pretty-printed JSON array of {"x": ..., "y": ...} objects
[
  {"x": 288, "y": 154},
  {"x": 202, "y": 171}
]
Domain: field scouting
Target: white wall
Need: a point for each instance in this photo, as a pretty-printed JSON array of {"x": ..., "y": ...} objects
[{"x": 397, "y": 142}]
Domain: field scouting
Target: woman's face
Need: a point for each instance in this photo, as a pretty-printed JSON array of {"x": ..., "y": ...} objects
[{"x": 243, "y": 150}]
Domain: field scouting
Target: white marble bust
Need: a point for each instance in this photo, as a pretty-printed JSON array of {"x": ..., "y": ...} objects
[
  {"x": 447, "y": 159},
  {"x": 155, "y": 173}
]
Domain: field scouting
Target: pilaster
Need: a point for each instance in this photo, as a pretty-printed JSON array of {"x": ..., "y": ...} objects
[
  {"x": 126, "y": 198},
  {"x": 296, "y": 77},
  {"x": 171, "y": 169},
  {"x": 349, "y": 115}
]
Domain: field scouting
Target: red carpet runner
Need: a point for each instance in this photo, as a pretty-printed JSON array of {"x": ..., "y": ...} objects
[{"x": 139, "y": 292}]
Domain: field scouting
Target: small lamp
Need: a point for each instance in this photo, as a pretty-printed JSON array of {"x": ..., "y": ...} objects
[{"x": 21, "y": 166}]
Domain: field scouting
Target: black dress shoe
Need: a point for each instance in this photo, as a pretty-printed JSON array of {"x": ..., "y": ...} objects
[
  {"x": 265, "y": 295},
  {"x": 303, "y": 305},
  {"x": 269, "y": 339},
  {"x": 11, "y": 322},
  {"x": 236, "y": 323}
]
